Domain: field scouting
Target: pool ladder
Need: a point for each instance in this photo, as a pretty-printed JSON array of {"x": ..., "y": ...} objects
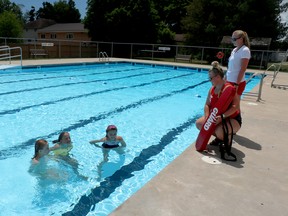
[
  {"x": 276, "y": 71},
  {"x": 261, "y": 76},
  {"x": 103, "y": 57},
  {"x": 5, "y": 53}
]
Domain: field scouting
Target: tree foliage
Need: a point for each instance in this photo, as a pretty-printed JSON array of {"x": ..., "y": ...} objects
[
  {"x": 11, "y": 19},
  {"x": 171, "y": 12},
  {"x": 61, "y": 12},
  {"x": 6, "y": 5},
  {"x": 10, "y": 25},
  {"x": 205, "y": 22},
  {"x": 208, "y": 20},
  {"x": 125, "y": 21}
]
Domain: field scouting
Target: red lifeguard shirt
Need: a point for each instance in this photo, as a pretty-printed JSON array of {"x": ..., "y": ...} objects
[{"x": 215, "y": 97}]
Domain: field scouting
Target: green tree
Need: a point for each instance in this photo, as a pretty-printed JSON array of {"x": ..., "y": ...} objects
[
  {"x": 208, "y": 20},
  {"x": 6, "y": 5},
  {"x": 125, "y": 21},
  {"x": 61, "y": 12},
  {"x": 10, "y": 25},
  {"x": 46, "y": 11},
  {"x": 171, "y": 12}
]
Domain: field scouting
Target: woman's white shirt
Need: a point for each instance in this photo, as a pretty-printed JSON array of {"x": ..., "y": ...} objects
[{"x": 234, "y": 64}]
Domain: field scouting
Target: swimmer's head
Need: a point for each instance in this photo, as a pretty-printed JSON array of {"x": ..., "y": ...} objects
[
  {"x": 111, "y": 127},
  {"x": 41, "y": 148},
  {"x": 63, "y": 138}
]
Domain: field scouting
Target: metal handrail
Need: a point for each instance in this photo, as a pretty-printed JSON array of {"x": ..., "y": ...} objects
[
  {"x": 279, "y": 67},
  {"x": 103, "y": 56},
  {"x": 262, "y": 76},
  {"x": 8, "y": 55}
]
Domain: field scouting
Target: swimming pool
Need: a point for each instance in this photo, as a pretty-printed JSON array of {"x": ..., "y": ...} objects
[{"x": 153, "y": 106}]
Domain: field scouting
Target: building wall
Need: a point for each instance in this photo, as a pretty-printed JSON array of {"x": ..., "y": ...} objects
[
  {"x": 30, "y": 33},
  {"x": 83, "y": 36}
]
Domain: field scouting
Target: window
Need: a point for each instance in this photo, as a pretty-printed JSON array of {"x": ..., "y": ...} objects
[
  {"x": 69, "y": 36},
  {"x": 42, "y": 36},
  {"x": 53, "y": 36}
]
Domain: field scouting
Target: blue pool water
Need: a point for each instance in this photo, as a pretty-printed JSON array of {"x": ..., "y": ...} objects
[{"x": 154, "y": 107}]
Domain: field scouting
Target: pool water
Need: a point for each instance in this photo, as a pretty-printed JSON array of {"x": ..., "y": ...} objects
[{"x": 154, "y": 107}]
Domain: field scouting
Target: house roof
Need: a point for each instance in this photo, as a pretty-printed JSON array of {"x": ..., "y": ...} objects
[
  {"x": 263, "y": 42},
  {"x": 39, "y": 23},
  {"x": 64, "y": 27}
]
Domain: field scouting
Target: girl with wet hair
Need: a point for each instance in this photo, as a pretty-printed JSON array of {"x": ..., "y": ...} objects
[
  {"x": 62, "y": 145},
  {"x": 110, "y": 141},
  {"x": 41, "y": 149}
]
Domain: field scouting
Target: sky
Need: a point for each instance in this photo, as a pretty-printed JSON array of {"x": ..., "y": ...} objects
[
  {"x": 284, "y": 16},
  {"x": 79, "y": 4}
]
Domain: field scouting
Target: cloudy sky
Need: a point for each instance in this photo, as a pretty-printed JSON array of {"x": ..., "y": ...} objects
[{"x": 285, "y": 15}]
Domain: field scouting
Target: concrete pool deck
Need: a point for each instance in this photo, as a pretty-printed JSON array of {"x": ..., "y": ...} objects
[{"x": 257, "y": 184}]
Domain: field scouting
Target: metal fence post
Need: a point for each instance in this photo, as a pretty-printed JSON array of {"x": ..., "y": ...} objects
[
  {"x": 80, "y": 49},
  {"x": 261, "y": 60},
  {"x": 260, "y": 87},
  {"x": 59, "y": 49},
  {"x": 202, "y": 55},
  {"x": 131, "y": 51}
]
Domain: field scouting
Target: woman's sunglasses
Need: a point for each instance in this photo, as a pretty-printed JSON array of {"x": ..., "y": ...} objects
[{"x": 235, "y": 39}]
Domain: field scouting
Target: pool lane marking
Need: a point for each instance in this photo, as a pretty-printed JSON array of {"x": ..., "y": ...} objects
[
  {"x": 5, "y": 112},
  {"x": 54, "y": 69},
  {"x": 78, "y": 83},
  {"x": 14, "y": 150},
  {"x": 87, "y": 203},
  {"x": 66, "y": 76}
]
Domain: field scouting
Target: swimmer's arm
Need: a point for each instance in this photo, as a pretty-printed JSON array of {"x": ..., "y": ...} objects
[
  {"x": 34, "y": 161},
  {"x": 56, "y": 146},
  {"x": 94, "y": 142},
  {"x": 123, "y": 143},
  {"x": 99, "y": 140}
]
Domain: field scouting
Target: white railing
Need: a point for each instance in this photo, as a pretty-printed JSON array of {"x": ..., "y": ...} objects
[
  {"x": 279, "y": 67},
  {"x": 5, "y": 53},
  {"x": 262, "y": 76},
  {"x": 103, "y": 56}
]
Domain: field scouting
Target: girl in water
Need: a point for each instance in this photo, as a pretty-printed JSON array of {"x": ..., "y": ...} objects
[
  {"x": 110, "y": 141},
  {"x": 63, "y": 145},
  {"x": 41, "y": 149}
]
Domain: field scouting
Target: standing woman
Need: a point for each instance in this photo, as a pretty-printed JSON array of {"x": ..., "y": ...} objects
[{"x": 238, "y": 61}]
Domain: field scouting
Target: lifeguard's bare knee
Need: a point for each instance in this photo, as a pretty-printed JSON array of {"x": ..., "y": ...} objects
[{"x": 199, "y": 124}]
